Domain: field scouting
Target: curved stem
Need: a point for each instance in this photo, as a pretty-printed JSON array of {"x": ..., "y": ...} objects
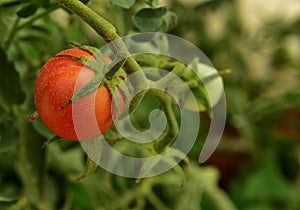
[
  {"x": 177, "y": 70},
  {"x": 167, "y": 138},
  {"x": 18, "y": 27}
]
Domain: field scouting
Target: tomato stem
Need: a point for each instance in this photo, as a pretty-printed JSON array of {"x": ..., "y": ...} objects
[
  {"x": 168, "y": 137},
  {"x": 104, "y": 28}
]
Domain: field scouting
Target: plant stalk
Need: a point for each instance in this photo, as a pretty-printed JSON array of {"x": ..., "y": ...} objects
[{"x": 104, "y": 28}]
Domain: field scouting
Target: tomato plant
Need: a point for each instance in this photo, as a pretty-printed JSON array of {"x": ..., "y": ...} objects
[{"x": 260, "y": 146}]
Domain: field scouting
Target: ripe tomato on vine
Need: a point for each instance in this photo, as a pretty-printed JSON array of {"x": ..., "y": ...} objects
[{"x": 55, "y": 85}]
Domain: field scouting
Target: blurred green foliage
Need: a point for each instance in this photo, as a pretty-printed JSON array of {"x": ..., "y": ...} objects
[{"x": 257, "y": 161}]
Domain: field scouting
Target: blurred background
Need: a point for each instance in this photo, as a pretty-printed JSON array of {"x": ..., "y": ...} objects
[{"x": 256, "y": 165}]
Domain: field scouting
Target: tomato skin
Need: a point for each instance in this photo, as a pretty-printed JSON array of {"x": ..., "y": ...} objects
[{"x": 58, "y": 80}]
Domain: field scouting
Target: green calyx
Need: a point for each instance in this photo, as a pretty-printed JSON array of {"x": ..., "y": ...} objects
[
  {"x": 87, "y": 48},
  {"x": 111, "y": 79}
]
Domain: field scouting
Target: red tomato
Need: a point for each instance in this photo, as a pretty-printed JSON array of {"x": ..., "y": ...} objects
[{"x": 60, "y": 77}]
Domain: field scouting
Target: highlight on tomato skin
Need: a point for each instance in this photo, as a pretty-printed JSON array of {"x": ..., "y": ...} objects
[{"x": 56, "y": 83}]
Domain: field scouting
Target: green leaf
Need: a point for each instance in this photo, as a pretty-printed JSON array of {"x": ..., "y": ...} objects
[
  {"x": 155, "y": 19},
  {"x": 28, "y": 10},
  {"x": 90, "y": 168},
  {"x": 149, "y": 19},
  {"x": 10, "y": 87},
  {"x": 170, "y": 21},
  {"x": 123, "y": 3}
]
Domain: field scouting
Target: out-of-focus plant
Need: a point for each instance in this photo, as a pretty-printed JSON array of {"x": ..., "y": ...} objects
[
  {"x": 34, "y": 177},
  {"x": 258, "y": 156}
]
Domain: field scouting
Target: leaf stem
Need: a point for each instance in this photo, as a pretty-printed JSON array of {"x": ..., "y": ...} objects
[
  {"x": 34, "y": 18},
  {"x": 17, "y": 27}
]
